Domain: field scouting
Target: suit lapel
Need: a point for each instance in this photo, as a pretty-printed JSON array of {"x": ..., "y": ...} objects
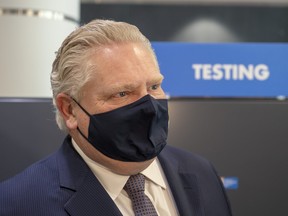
[
  {"x": 88, "y": 197},
  {"x": 91, "y": 199},
  {"x": 183, "y": 184}
]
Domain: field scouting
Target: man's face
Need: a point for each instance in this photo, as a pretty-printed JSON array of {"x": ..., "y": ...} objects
[{"x": 124, "y": 73}]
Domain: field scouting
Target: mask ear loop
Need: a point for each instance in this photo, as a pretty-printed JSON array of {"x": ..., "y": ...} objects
[{"x": 85, "y": 111}]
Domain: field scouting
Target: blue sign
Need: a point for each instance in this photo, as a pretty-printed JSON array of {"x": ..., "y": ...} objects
[{"x": 224, "y": 70}]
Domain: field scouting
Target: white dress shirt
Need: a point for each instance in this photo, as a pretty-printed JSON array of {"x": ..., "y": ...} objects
[{"x": 156, "y": 186}]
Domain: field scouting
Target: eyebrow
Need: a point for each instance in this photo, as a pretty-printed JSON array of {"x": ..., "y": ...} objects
[
  {"x": 157, "y": 79},
  {"x": 125, "y": 86},
  {"x": 120, "y": 87},
  {"x": 117, "y": 87}
]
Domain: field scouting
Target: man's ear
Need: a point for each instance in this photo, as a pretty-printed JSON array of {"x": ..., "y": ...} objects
[{"x": 64, "y": 104}]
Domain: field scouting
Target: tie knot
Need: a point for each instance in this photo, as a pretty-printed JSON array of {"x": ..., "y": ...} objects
[{"x": 135, "y": 183}]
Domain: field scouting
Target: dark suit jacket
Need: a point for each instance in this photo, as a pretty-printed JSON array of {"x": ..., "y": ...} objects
[{"x": 62, "y": 184}]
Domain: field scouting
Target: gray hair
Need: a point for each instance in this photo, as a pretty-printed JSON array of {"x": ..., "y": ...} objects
[{"x": 69, "y": 71}]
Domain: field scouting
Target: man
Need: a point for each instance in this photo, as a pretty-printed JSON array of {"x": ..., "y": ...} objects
[{"x": 107, "y": 91}]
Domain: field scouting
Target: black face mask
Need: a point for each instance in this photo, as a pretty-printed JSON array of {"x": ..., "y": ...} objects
[{"x": 135, "y": 132}]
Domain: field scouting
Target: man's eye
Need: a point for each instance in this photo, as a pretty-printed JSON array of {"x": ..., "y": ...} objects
[
  {"x": 121, "y": 94},
  {"x": 154, "y": 87}
]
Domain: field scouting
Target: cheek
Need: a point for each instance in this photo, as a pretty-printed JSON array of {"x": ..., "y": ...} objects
[
  {"x": 83, "y": 124},
  {"x": 159, "y": 94}
]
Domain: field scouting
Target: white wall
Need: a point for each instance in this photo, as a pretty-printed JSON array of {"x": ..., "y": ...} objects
[{"x": 30, "y": 33}]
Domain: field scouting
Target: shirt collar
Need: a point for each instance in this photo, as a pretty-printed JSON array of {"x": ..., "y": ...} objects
[
  {"x": 154, "y": 174},
  {"x": 114, "y": 183}
]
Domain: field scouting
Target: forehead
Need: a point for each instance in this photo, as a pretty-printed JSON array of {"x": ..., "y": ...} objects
[
  {"x": 123, "y": 48},
  {"x": 122, "y": 63},
  {"x": 129, "y": 55}
]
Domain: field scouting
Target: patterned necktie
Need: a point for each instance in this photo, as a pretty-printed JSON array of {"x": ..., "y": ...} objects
[{"x": 142, "y": 205}]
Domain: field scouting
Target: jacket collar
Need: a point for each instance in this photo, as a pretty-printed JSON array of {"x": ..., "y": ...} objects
[
  {"x": 76, "y": 176},
  {"x": 183, "y": 184}
]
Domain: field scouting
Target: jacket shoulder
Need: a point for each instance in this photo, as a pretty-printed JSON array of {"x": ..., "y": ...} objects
[
  {"x": 36, "y": 185},
  {"x": 194, "y": 171},
  {"x": 185, "y": 157}
]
